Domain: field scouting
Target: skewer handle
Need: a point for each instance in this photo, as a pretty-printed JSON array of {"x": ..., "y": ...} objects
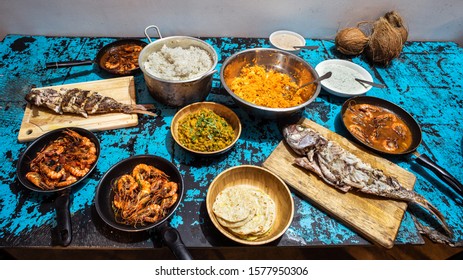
[
  {"x": 370, "y": 83},
  {"x": 51, "y": 65},
  {"x": 306, "y": 47}
]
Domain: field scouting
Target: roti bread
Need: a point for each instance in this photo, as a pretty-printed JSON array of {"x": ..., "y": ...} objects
[
  {"x": 258, "y": 206},
  {"x": 228, "y": 224},
  {"x": 269, "y": 215},
  {"x": 233, "y": 204}
]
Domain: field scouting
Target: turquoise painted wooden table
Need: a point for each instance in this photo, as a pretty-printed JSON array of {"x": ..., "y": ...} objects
[{"x": 426, "y": 80}]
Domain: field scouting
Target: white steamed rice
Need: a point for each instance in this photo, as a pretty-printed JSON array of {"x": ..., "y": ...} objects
[{"x": 178, "y": 64}]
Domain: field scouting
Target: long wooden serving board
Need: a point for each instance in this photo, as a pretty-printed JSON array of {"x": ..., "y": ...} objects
[
  {"x": 376, "y": 219},
  {"x": 38, "y": 121}
]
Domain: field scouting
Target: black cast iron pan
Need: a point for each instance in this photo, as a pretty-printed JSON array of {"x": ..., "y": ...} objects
[
  {"x": 101, "y": 58},
  {"x": 105, "y": 194},
  {"x": 415, "y": 129},
  {"x": 62, "y": 202}
]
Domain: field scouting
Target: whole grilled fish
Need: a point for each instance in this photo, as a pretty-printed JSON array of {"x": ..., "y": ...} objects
[
  {"x": 344, "y": 171},
  {"x": 82, "y": 102}
]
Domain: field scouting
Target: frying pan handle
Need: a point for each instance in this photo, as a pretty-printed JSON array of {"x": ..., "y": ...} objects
[
  {"x": 63, "y": 219},
  {"x": 441, "y": 173},
  {"x": 154, "y": 27},
  {"x": 51, "y": 65},
  {"x": 172, "y": 239}
]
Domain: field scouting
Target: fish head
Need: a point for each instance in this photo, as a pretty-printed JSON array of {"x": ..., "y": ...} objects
[
  {"x": 31, "y": 96},
  {"x": 301, "y": 138}
]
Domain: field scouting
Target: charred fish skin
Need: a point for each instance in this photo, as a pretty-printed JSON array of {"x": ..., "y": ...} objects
[
  {"x": 82, "y": 102},
  {"x": 108, "y": 104},
  {"x": 93, "y": 102},
  {"x": 74, "y": 101},
  {"x": 344, "y": 171},
  {"x": 49, "y": 98}
]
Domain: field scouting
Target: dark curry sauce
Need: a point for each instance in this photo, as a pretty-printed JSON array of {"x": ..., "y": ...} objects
[{"x": 378, "y": 128}]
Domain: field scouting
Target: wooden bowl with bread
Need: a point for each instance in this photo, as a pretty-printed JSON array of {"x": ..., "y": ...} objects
[{"x": 250, "y": 205}]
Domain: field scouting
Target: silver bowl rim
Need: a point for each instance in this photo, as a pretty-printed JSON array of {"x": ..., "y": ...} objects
[
  {"x": 208, "y": 47},
  {"x": 268, "y": 109}
]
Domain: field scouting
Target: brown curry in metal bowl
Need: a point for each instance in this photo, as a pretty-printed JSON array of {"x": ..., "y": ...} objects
[
  {"x": 121, "y": 58},
  {"x": 377, "y": 127}
]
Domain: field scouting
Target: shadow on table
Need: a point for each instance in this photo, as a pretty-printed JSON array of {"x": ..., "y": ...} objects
[
  {"x": 66, "y": 76},
  {"x": 216, "y": 238},
  {"x": 115, "y": 234}
]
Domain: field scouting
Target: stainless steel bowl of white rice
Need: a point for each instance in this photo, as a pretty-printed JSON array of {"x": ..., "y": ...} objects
[{"x": 178, "y": 70}]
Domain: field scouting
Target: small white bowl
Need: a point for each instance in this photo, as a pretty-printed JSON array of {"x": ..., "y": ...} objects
[
  {"x": 286, "y": 40},
  {"x": 342, "y": 83}
]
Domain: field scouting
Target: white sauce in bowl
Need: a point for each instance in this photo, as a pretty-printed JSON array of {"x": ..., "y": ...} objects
[
  {"x": 343, "y": 79},
  {"x": 286, "y": 41}
]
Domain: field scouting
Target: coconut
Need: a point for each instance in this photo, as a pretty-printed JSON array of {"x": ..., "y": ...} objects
[
  {"x": 385, "y": 42},
  {"x": 397, "y": 21},
  {"x": 351, "y": 41}
]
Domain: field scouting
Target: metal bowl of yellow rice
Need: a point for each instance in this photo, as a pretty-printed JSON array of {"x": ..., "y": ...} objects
[{"x": 296, "y": 69}]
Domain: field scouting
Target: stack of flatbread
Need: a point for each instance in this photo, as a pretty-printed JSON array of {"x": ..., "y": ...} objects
[{"x": 246, "y": 211}]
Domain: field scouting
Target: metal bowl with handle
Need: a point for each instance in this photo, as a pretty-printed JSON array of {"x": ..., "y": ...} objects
[
  {"x": 177, "y": 93},
  {"x": 281, "y": 61}
]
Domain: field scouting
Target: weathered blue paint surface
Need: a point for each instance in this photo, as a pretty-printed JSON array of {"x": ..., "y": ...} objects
[{"x": 426, "y": 80}]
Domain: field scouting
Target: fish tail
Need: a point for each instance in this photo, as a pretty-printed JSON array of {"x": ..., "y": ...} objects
[
  {"x": 143, "y": 109},
  {"x": 432, "y": 234},
  {"x": 144, "y": 112},
  {"x": 146, "y": 106},
  {"x": 433, "y": 210}
]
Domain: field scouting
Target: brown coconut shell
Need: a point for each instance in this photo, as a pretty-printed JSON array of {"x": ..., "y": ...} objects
[
  {"x": 351, "y": 41},
  {"x": 397, "y": 21},
  {"x": 385, "y": 42}
]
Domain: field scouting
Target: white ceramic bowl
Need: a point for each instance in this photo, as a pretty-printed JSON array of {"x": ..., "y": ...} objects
[
  {"x": 342, "y": 82},
  {"x": 286, "y": 40}
]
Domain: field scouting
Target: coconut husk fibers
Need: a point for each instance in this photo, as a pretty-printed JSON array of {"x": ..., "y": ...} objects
[
  {"x": 385, "y": 42},
  {"x": 351, "y": 41},
  {"x": 396, "y": 20}
]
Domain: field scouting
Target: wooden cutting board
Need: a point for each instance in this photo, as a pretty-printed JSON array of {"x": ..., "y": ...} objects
[
  {"x": 38, "y": 121},
  {"x": 376, "y": 219}
]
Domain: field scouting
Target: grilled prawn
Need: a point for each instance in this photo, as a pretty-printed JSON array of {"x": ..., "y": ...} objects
[
  {"x": 63, "y": 161},
  {"x": 144, "y": 196}
]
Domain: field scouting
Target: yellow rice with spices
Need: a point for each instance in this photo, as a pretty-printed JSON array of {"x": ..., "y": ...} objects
[{"x": 269, "y": 88}]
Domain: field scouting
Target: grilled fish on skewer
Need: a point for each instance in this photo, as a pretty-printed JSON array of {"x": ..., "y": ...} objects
[
  {"x": 344, "y": 171},
  {"x": 82, "y": 102}
]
